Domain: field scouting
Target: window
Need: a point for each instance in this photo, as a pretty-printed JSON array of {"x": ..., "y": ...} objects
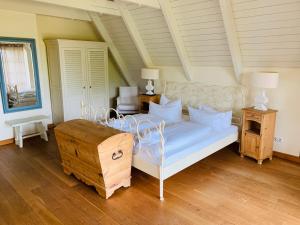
[{"x": 19, "y": 75}]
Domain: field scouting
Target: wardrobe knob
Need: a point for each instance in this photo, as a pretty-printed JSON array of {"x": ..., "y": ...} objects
[
  {"x": 90, "y": 86},
  {"x": 84, "y": 87}
]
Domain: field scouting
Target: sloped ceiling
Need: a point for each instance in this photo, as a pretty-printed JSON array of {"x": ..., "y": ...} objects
[
  {"x": 269, "y": 32},
  {"x": 266, "y": 33},
  {"x": 155, "y": 34},
  {"x": 126, "y": 47},
  {"x": 202, "y": 29}
]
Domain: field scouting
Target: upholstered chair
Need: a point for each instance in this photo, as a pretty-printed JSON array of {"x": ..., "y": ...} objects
[{"x": 127, "y": 102}]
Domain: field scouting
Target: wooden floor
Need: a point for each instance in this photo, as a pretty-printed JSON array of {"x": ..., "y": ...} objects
[{"x": 221, "y": 189}]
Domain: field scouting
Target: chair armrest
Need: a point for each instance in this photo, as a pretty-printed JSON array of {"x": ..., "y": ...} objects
[{"x": 118, "y": 100}]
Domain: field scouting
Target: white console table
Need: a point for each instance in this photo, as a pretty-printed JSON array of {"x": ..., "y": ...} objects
[{"x": 18, "y": 125}]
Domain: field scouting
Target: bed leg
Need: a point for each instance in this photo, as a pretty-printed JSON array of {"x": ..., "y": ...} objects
[
  {"x": 161, "y": 189},
  {"x": 161, "y": 183}
]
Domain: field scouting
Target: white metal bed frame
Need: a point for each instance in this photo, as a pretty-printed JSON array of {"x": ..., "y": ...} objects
[{"x": 161, "y": 171}]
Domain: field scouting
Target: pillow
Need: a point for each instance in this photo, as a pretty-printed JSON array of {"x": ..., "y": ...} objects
[
  {"x": 163, "y": 100},
  {"x": 170, "y": 113},
  {"x": 225, "y": 117},
  {"x": 205, "y": 118}
]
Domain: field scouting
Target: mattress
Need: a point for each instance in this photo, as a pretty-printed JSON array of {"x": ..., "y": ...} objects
[{"x": 181, "y": 139}]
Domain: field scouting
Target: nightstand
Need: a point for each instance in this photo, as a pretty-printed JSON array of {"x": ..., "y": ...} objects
[
  {"x": 144, "y": 102},
  {"x": 258, "y": 133}
]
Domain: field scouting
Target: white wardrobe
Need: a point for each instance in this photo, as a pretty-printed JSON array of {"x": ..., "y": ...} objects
[{"x": 78, "y": 71}]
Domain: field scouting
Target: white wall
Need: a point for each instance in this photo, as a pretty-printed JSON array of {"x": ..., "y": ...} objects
[{"x": 15, "y": 24}]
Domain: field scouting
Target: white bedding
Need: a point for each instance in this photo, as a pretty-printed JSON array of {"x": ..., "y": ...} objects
[
  {"x": 130, "y": 125},
  {"x": 181, "y": 139}
]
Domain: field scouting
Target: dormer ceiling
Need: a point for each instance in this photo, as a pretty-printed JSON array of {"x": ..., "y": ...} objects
[
  {"x": 268, "y": 32},
  {"x": 121, "y": 38},
  {"x": 235, "y": 34},
  {"x": 202, "y": 29},
  {"x": 155, "y": 34}
]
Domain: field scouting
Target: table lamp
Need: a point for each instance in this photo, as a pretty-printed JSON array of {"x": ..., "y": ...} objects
[
  {"x": 150, "y": 74},
  {"x": 264, "y": 80}
]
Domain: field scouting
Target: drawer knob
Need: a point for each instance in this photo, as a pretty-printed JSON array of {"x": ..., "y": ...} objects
[{"x": 117, "y": 155}]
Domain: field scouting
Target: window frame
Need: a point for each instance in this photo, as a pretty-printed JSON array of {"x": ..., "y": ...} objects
[{"x": 38, "y": 104}]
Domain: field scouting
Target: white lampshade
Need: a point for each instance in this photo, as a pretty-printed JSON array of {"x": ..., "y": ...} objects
[
  {"x": 265, "y": 80},
  {"x": 150, "y": 74}
]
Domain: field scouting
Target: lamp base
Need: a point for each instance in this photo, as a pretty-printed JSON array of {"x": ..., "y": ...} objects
[
  {"x": 150, "y": 88},
  {"x": 261, "y": 107},
  {"x": 261, "y": 101}
]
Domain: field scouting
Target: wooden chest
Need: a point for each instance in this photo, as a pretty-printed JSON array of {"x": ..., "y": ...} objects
[{"x": 98, "y": 155}]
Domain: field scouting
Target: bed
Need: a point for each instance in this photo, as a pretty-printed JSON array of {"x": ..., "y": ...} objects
[{"x": 163, "y": 149}]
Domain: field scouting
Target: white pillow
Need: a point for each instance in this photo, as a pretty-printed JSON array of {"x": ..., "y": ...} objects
[
  {"x": 170, "y": 113},
  {"x": 164, "y": 100},
  {"x": 205, "y": 118},
  {"x": 226, "y": 117}
]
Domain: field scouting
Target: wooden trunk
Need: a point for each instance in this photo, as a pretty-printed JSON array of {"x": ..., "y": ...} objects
[{"x": 98, "y": 155}]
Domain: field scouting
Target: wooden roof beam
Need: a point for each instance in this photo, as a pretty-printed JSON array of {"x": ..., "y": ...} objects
[
  {"x": 40, "y": 8},
  {"x": 176, "y": 36},
  {"x": 148, "y": 3},
  {"x": 111, "y": 46},
  {"x": 135, "y": 34},
  {"x": 232, "y": 37},
  {"x": 99, "y": 6}
]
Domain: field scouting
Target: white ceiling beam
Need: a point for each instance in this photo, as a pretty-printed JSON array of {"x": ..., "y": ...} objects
[
  {"x": 149, "y": 3},
  {"x": 114, "y": 51},
  {"x": 44, "y": 9},
  {"x": 99, "y": 6},
  {"x": 135, "y": 34},
  {"x": 232, "y": 37},
  {"x": 176, "y": 36}
]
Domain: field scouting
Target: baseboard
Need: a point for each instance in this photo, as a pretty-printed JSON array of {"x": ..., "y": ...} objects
[
  {"x": 7, "y": 141},
  {"x": 285, "y": 156}
]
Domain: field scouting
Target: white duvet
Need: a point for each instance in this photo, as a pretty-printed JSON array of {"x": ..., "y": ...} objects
[
  {"x": 176, "y": 136},
  {"x": 180, "y": 139}
]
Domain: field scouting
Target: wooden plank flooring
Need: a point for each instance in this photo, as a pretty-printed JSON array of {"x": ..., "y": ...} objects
[{"x": 221, "y": 189}]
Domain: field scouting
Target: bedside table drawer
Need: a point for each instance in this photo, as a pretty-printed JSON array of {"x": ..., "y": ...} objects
[{"x": 253, "y": 116}]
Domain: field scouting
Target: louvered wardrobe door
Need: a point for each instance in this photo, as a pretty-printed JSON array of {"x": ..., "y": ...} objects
[
  {"x": 98, "y": 78},
  {"x": 74, "y": 87}
]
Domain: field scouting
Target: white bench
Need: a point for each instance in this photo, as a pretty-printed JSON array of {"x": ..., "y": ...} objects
[{"x": 18, "y": 125}]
